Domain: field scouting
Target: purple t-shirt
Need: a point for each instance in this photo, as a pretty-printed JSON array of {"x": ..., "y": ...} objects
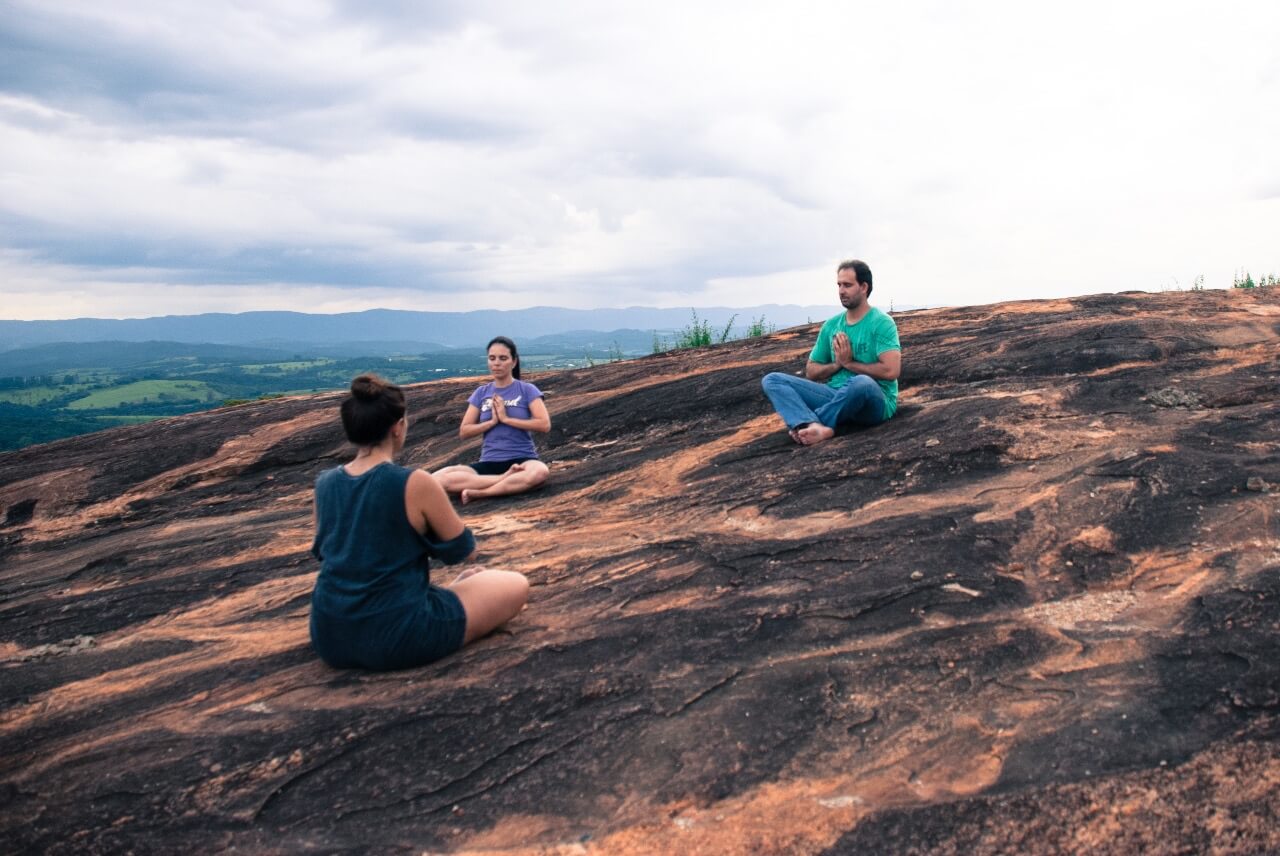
[{"x": 504, "y": 442}]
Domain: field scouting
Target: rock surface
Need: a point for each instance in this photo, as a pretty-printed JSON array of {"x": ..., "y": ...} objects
[{"x": 1036, "y": 612}]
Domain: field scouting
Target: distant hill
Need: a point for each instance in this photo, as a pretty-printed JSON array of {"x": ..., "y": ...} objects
[
  {"x": 117, "y": 355},
  {"x": 628, "y": 342},
  {"x": 63, "y": 356},
  {"x": 412, "y": 332},
  {"x": 357, "y": 348},
  {"x": 57, "y": 357}
]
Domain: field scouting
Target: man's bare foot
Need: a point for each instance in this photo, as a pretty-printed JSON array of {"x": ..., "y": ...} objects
[
  {"x": 795, "y": 432},
  {"x": 815, "y": 433}
]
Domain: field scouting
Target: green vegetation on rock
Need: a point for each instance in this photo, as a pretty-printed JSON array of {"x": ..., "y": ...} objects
[
  {"x": 1245, "y": 280},
  {"x": 699, "y": 334}
]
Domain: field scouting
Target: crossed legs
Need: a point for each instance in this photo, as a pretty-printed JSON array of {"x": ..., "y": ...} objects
[
  {"x": 489, "y": 598},
  {"x": 812, "y": 411},
  {"x": 469, "y": 484}
]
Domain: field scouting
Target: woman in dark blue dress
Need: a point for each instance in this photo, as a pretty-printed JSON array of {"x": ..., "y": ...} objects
[{"x": 378, "y": 525}]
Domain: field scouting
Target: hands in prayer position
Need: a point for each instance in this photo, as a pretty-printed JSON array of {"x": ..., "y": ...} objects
[{"x": 843, "y": 350}]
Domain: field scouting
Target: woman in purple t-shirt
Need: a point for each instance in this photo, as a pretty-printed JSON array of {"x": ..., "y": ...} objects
[{"x": 505, "y": 410}]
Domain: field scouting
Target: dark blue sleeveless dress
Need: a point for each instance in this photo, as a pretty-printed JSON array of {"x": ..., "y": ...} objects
[{"x": 373, "y": 605}]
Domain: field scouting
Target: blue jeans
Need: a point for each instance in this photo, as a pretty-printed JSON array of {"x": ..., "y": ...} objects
[{"x": 797, "y": 400}]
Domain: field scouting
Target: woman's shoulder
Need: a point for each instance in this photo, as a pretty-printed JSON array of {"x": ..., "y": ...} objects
[
  {"x": 398, "y": 472},
  {"x": 337, "y": 482},
  {"x": 391, "y": 478},
  {"x": 329, "y": 476}
]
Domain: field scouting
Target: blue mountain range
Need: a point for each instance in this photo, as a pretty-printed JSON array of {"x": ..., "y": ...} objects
[{"x": 411, "y": 331}]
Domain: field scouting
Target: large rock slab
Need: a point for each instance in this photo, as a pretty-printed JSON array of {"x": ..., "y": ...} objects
[{"x": 1036, "y": 612}]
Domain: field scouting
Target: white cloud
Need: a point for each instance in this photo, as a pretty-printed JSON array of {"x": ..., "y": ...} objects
[{"x": 502, "y": 154}]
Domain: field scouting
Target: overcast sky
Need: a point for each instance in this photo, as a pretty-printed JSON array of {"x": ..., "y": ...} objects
[{"x": 171, "y": 158}]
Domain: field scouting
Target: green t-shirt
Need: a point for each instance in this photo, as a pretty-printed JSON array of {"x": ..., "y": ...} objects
[{"x": 874, "y": 334}]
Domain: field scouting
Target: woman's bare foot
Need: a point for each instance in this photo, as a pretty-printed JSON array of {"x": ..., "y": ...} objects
[{"x": 814, "y": 433}]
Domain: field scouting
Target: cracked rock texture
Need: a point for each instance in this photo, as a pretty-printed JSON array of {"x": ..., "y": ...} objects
[{"x": 1037, "y": 612}]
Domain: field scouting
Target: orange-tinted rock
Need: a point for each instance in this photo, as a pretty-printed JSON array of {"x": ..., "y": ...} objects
[{"x": 1036, "y": 612}]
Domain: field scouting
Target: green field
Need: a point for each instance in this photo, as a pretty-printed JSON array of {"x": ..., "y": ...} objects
[
  {"x": 126, "y": 420},
  {"x": 33, "y": 396},
  {"x": 147, "y": 392},
  {"x": 281, "y": 368}
]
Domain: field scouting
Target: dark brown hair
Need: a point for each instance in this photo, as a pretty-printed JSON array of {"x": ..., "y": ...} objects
[
  {"x": 373, "y": 406},
  {"x": 510, "y": 346},
  {"x": 861, "y": 271}
]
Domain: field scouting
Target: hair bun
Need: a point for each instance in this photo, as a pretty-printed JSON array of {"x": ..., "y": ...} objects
[{"x": 367, "y": 387}]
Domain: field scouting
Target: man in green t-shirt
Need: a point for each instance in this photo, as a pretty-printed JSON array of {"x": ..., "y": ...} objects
[{"x": 852, "y": 370}]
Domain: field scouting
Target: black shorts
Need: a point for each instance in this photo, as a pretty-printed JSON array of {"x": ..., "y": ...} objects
[{"x": 496, "y": 468}]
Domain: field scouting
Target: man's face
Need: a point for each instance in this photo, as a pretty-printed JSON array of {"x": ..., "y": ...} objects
[{"x": 852, "y": 294}]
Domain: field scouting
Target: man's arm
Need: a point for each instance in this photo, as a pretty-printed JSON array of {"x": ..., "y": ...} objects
[
  {"x": 886, "y": 367},
  {"x": 817, "y": 368},
  {"x": 888, "y": 364},
  {"x": 820, "y": 372}
]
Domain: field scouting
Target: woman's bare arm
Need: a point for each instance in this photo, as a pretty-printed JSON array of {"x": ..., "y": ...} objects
[
  {"x": 539, "y": 419},
  {"x": 428, "y": 508},
  {"x": 471, "y": 425}
]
